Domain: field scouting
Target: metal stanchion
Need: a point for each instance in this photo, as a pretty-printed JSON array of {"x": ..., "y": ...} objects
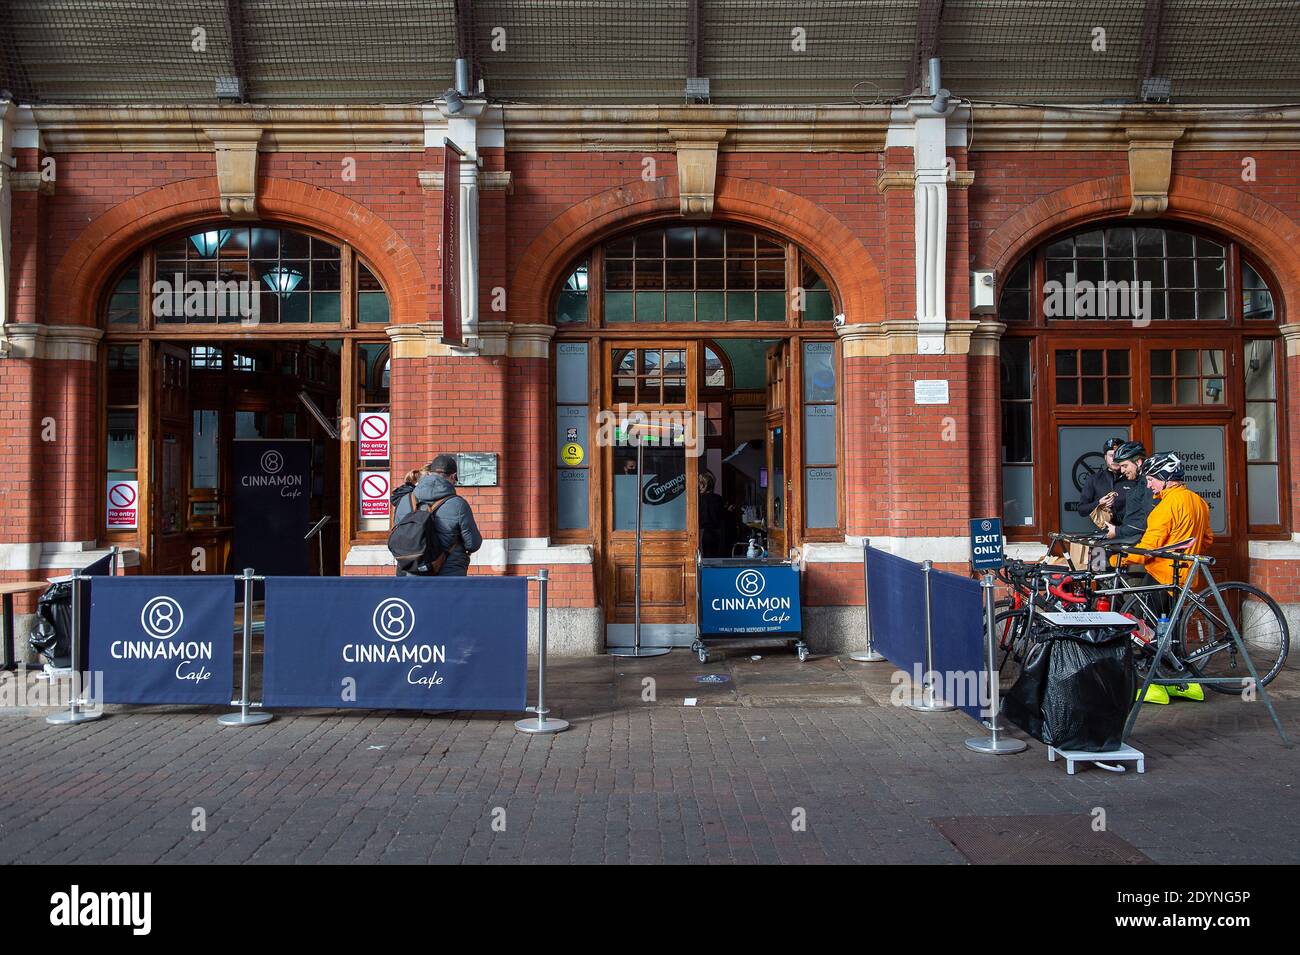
[
  {"x": 244, "y": 717},
  {"x": 927, "y": 699},
  {"x": 541, "y": 724},
  {"x": 75, "y": 712},
  {"x": 871, "y": 654},
  {"x": 995, "y": 744}
]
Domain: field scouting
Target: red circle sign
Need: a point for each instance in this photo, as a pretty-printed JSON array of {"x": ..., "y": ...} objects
[
  {"x": 121, "y": 495},
  {"x": 375, "y": 487},
  {"x": 373, "y": 427}
]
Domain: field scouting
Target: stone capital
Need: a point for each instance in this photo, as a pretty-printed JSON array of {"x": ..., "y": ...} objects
[
  {"x": 1150, "y": 161},
  {"x": 697, "y": 167},
  {"x": 236, "y": 154}
]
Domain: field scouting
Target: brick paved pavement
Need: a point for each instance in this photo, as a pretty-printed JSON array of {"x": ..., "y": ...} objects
[{"x": 633, "y": 781}]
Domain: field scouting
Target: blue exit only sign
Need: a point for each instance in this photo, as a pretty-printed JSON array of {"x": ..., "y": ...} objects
[{"x": 986, "y": 550}]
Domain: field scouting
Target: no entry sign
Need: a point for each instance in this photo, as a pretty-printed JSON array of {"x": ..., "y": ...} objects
[
  {"x": 374, "y": 493},
  {"x": 123, "y": 504},
  {"x": 373, "y": 429}
]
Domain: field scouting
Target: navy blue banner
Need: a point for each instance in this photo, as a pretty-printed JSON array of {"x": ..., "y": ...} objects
[
  {"x": 738, "y": 601},
  {"x": 957, "y": 604},
  {"x": 419, "y": 643},
  {"x": 163, "y": 639},
  {"x": 897, "y": 608}
]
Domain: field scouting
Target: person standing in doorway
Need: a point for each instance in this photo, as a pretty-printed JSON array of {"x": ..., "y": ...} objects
[{"x": 1106, "y": 488}]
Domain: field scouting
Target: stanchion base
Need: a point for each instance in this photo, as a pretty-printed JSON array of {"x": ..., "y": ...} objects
[
  {"x": 867, "y": 656},
  {"x": 537, "y": 727},
  {"x": 1003, "y": 746},
  {"x": 924, "y": 702},
  {"x": 71, "y": 719},
  {"x": 637, "y": 651},
  {"x": 245, "y": 719}
]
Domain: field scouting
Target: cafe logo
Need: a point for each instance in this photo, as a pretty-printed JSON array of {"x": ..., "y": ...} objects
[
  {"x": 661, "y": 492},
  {"x": 272, "y": 462},
  {"x": 750, "y": 583},
  {"x": 161, "y": 618},
  {"x": 393, "y": 619},
  {"x": 986, "y": 525}
]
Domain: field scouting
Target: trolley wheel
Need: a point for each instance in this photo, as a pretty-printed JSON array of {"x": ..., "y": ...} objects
[
  {"x": 704, "y": 654},
  {"x": 802, "y": 650}
]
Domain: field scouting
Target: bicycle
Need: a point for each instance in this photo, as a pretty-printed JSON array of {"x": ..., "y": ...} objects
[{"x": 1201, "y": 644}]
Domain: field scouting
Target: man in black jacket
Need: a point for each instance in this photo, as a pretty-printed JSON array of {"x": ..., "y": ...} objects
[
  {"x": 1138, "y": 503},
  {"x": 1106, "y": 487},
  {"x": 454, "y": 520}
]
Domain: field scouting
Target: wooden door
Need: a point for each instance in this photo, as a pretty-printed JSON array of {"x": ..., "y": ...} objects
[
  {"x": 658, "y": 382},
  {"x": 779, "y": 483},
  {"x": 170, "y": 471}
]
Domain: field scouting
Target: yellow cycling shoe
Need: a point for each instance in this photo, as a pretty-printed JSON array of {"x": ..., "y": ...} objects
[
  {"x": 1188, "y": 691},
  {"x": 1156, "y": 694}
]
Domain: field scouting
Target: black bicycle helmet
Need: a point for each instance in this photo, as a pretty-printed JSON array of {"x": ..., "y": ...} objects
[
  {"x": 1111, "y": 444},
  {"x": 1129, "y": 451},
  {"x": 1163, "y": 466}
]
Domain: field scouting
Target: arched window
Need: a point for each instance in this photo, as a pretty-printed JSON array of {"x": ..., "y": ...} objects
[
  {"x": 1139, "y": 273},
  {"x": 1157, "y": 333},
  {"x": 705, "y": 274},
  {"x": 245, "y": 275}
]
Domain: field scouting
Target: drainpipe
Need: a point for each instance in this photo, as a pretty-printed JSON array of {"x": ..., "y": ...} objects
[
  {"x": 929, "y": 115},
  {"x": 462, "y": 114},
  {"x": 7, "y": 166}
]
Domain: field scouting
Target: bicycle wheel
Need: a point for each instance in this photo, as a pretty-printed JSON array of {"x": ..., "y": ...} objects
[
  {"x": 1012, "y": 634},
  {"x": 1207, "y": 645}
]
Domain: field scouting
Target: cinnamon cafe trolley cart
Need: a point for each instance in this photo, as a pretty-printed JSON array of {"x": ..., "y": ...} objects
[{"x": 745, "y": 600}]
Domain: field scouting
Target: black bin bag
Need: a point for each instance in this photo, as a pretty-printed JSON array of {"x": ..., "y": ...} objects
[
  {"x": 51, "y": 635},
  {"x": 1076, "y": 689}
]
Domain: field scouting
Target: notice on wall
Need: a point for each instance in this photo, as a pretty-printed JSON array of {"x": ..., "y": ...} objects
[
  {"x": 375, "y": 489},
  {"x": 1201, "y": 449},
  {"x": 123, "y": 505},
  {"x": 930, "y": 392},
  {"x": 373, "y": 435}
]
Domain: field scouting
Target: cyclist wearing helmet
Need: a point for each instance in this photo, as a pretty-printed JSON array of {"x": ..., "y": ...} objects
[
  {"x": 1181, "y": 519},
  {"x": 1130, "y": 525},
  {"x": 1106, "y": 487}
]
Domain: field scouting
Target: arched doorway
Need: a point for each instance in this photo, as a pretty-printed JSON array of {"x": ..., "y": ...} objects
[
  {"x": 1152, "y": 331},
  {"x": 724, "y": 335},
  {"x": 224, "y": 335}
]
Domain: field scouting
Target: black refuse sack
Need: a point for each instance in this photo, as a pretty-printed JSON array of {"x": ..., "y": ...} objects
[
  {"x": 1076, "y": 689},
  {"x": 52, "y": 630}
]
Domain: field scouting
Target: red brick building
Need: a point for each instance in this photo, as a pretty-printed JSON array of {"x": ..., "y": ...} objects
[{"x": 856, "y": 300}]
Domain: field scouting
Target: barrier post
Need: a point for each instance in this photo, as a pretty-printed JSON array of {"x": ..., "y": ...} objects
[
  {"x": 244, "y": 717},
  {"x": 871, "y": 654},
  {"x": 75, "y": 712},
  {"x": 541, "y": 724},
  {"x": 927, "y": 700},
  {"x": 996, "y": 745}
]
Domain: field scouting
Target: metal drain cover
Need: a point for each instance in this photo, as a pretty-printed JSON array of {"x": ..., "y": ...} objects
[{"x": 1036, "y": 840}]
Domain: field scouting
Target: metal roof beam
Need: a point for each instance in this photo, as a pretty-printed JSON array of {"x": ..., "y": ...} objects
[
  {"x": 1150, "y": 49},
  {"x": 234, "y": 12},
  {"x": 929, "y": 15}
]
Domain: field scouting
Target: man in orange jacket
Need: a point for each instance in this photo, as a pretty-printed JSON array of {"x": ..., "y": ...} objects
[{"x": 1181, "y": 519}]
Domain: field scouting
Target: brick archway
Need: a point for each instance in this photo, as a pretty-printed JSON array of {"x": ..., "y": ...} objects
[
  {"x": 119, "y": 233},
  {"x": 851, "y": 269},
  {"x": 1268, "y": 233}
]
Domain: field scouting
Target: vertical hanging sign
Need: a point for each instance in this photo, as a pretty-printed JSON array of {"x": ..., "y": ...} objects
[{"x": 451, "y": 157}]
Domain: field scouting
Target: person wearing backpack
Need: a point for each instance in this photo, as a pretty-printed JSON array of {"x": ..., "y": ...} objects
[{"x": 436, "y": 538}]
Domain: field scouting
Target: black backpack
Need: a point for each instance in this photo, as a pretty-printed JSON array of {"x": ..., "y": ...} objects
[{"x": 414, "y": 543}]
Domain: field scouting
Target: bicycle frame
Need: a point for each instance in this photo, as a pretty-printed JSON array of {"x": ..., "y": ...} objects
[{"x": 1199, "y": 567}]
